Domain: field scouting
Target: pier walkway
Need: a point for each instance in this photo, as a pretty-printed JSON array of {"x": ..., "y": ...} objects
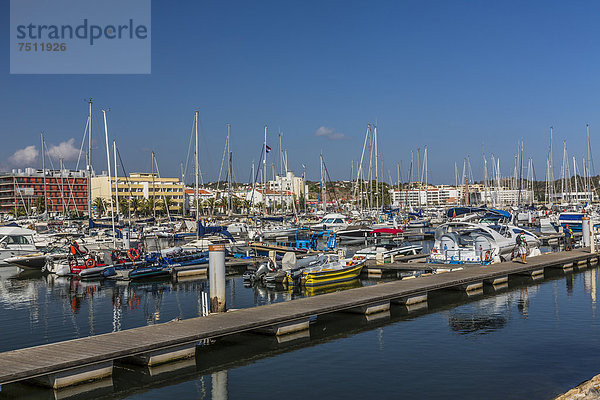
[{"x": 101, "y": 350}]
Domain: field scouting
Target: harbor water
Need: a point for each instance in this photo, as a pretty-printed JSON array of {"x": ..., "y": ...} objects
[{"x": 530, "y": 339}]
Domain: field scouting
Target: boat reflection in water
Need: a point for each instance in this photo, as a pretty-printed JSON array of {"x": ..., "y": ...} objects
[{"x": 333, "y": 287}]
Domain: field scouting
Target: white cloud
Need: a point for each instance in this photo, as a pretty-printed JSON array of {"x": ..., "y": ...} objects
[
  {"x": 65, "y": 150},
  {"x": 330, "y": 133},
  {"x": 24, "y": 157}
]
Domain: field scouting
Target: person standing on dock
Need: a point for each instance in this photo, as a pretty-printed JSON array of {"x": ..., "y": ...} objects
[
  {"x": 522, "y": 244},
  {"x": 568, "y": 238}
]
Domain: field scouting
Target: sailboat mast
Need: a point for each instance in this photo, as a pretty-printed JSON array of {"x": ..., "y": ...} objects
[
  {"x": 89, "y": 160},
  {"x": 112, "y": 213},
  {"x": 575, "y": 178},
  {"x": 551, "y": 165},
  {"x": 116, "y": 180},
  {"x": 265, "y": 175},
  {"x": 183, "y": 207},
  {"x": 425, "y": 169},
  {"x": 44, "y": 177},
  {"x": 280, "y": 174},
  {"x": 376, "y": 167},
  {"x": 485, "y": 176},
  {"x": 196, "y": 200},
  {"x": 229, "y": 171},
  {"x": 153, "y": 190},
  {"x": 323, "y": 184},
  {"x": 62, "y": 188},
  {"x": 398, "y": 168},
  {"x": 419, "y": 174},
  {"x": 588, "y": 168}
]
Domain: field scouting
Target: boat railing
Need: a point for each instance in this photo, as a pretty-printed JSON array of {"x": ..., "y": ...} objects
[{"x": 468, "y": 256}]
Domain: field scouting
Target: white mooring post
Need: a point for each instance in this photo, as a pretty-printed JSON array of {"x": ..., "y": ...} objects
[
  {"x": 216, "y": 277},
  {"x": 126, "y": 238},
  {"x": 585, "y": 227}
]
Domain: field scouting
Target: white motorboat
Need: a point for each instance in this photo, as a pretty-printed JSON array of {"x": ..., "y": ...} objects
[
  {"x": 37, "y": 261},
  {"x": 15, "y": 241},
  {"x": 386, "y": 251},
  {"x": 470, "y": 243},
  {"x": 332, "y": 222}
]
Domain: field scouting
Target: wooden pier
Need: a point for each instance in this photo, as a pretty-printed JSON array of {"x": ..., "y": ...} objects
[{"x": 74, "y": 361}]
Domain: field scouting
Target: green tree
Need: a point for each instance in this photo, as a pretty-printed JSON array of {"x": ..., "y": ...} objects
[
  {"x": 210, "y": 204},
  {"x": 222, "y": 204},
  {"x": 40, "y": 205},
  {"x": 124, "y": 205},
  {"x": 19, "y": 212},
  {"x": 99, "y": 204},
  {"x": 147, "y": 207},
  {"x": 166, "y": 202},
  {"x": 135, "y": 204},
  {"x": 236, "y": 203}
]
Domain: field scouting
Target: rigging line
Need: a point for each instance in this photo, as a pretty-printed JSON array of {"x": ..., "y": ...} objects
[
  {"x": 205, "y": 148},
  {"x": 128, "y": 184},
  {"x": 254, "y": 182},
  {"x": 71, "y": 197},
  {"x": 233, "y": 175},
  {"x": 222, "y": 160},
  {"x": 187, "y": 159},
  {"x": 85, "y": 131},
  {"x": 62, "y": 194},
  {"x": 22, "y": 200},
  {"x": 162, "y": 189},
  {"x": 332, "y": 185}
]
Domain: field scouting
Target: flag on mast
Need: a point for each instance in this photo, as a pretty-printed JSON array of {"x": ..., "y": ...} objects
[{"x": 267, "y": 148}]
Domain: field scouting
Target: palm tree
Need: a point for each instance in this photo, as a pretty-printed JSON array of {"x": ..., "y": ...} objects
[
  {"x": 166, "y": 202},
  {"x": 99, "y": 204},
  {"x": 236, "y": 203},
  {"x": 246, "y": 205},
  {"x": 40, "y": 205},
  {"x": 124, "y": 206},
  {"x": 222, "y": 204},
  {"x": 147, "y": 207},
  {"x": 135, "y": 205},
  {"x": 210, "y": 203},
  {"x": 19, "y": 212}
]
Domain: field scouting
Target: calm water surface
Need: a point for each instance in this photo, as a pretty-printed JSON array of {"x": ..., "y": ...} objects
[{"x": 530, "y": 340}]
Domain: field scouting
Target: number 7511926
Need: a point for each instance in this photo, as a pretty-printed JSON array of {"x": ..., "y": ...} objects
[{"x": 42, "y": 46}]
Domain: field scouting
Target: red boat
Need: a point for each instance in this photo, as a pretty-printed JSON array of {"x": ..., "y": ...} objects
[{"x": 90, "y": 262}]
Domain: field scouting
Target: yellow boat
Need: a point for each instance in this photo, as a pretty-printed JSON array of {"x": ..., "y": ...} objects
[{"x": 334, "y": 272}]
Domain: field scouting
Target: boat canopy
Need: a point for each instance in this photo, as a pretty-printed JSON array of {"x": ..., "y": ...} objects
[
  {"x": 456, "y": 211},
  {"x": 93, "y": 224},
  {"x": 15, "y": 231},
  {"x": 490, "y": 212},
  {"x": 210, "y": 230}
]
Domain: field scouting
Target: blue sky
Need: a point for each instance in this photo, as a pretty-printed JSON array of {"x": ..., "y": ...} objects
[{"x": 452, "y": 76}]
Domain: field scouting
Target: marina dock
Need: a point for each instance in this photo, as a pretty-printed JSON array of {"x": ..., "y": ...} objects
[{"x": 74, "y": 361}]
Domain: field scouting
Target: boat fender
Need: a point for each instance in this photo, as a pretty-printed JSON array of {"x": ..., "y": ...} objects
[{"x": 90, "y": 263}]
